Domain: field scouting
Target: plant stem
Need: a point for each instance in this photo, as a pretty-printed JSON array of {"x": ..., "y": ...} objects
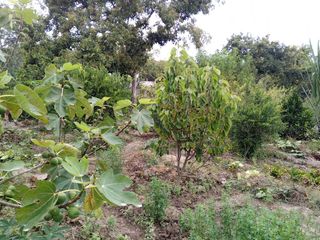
[
  {"x": 122, "y": 129},
  {"x": 26, "y": 171},
  {"x": 4, "y": 203},
  {"x": 72, "y": 201}
]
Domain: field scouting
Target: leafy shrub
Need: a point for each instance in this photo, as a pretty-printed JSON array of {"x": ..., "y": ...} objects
[
  {"x": 241, "y": 224},
  {"x": 101, "y": 83},
  {"x": 157, "y": 200},
  {"x": 297, "y": 118},
  {"x": 195, "y": 107},
  {"x": 257, "y": 120}
]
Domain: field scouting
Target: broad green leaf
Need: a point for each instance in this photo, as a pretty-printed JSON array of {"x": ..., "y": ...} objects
[
  {"x": 70, "y": 67},
  {"x": 111, "y": 138},
  {"x": 143, "y": 119},
  {"x": 53, "y": 76},
  {"x": 28, "y": 15},
  {"x": 65, "y": 150},
  {"x": 9, "y": 102},
  {"x": 83, "y": 126},
  {"x": 54, "y": 124},
  {"x": 62, "y": 98},
  {"x": 36, "y": 204},
  {"x": 30, "y": 102},
  {"x": 147, "y": 101},
  {"x": 112, "y": 186},
  {"x": 83, "y": 106},
  {"x": 93, "y": 200},
  {"x": 106, "y": 124},
  {"x": 75, "y": 167},
  {"x": 122, "y": 104},
  {"x": 97, "y": 102},
  {"x": 4, "y": 78},
  {"x": 10, "y": 166},
  {"x": 44, "y": 143}
]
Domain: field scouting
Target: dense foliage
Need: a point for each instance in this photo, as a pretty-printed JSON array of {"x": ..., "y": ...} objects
[
  {"x": 194, "y": 108},
  {"x": 241, "y": 224},
  {"x": 258, "y": 118},
  {"x": 276, "y": 63},
  {"x": 297, "y": 118}
]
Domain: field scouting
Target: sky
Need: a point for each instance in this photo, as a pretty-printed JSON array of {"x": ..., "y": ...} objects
[{"x": 292, "y": 22}]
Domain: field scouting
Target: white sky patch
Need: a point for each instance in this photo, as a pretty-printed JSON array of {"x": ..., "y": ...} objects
[{"x": 292, "y": 22}]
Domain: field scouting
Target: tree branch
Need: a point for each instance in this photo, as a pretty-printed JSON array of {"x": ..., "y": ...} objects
[
  {"x": 72, "y": 201},
  {"x": 21, "y": 173},
  {"x": 122, "y": 129},
  {"x": 4, "y": 203}
]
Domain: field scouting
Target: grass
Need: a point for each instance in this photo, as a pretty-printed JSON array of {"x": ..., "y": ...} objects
[{"x": 206, "y": 222}]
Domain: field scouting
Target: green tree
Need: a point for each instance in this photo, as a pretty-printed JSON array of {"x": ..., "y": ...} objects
[
  {"x": 194, "y": 109},
  {"x": 117, "y": 34},
  {"x": 276, "y": 63},
  {"x": 258, "y": 118},
  {"x": 297, "y": 118}
]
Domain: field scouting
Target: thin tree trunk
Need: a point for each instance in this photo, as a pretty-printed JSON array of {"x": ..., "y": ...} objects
[
  {"x": 134, "y": 87},
  {"x": 178, "y": 156}
]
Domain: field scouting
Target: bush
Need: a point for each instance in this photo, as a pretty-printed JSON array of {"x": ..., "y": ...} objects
[
  {"x": 297, "y": 119},
  {"x": 157, "y": 200},
  {"x": 241, "y": 224},
  {"x": 258, "y": 119},
  {"x": 195, "y": 107},
  {"x": 100, "y": 83}
]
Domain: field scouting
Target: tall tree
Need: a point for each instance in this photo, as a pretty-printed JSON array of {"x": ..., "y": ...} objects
[{"x": 118, "y": 34}]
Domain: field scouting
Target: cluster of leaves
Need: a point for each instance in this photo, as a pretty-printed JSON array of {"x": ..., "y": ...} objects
[
  {"x": 241, "y": 224},
  {"x": 194, "y": 109},
  {"x": 309, "y": 177},
  {"x": 60, "y": 99},
  {"x": 298, "y": 119},
  {"x": 257, "y": 120}
]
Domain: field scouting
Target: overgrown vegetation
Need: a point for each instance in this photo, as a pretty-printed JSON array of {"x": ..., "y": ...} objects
[{"x": 245, "y": 223}]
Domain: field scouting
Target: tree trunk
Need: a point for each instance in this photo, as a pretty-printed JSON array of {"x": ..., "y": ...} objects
[{"x": 134, "y": 87}]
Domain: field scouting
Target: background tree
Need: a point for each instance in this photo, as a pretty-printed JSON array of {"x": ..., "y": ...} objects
[
  {"x": 276, "y": 63},
  {"x": 115, "y": 34}
]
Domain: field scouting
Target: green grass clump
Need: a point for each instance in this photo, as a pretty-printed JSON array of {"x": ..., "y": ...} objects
[
  {"x": 206, "y": 223},
  {"x": 157, "y": 200}
]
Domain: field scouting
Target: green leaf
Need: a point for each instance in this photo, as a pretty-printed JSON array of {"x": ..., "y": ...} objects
[
  {"x": 62, "y": 98},
  {"x": 71, "y": 67},
  {"x": 65, "y": 150},
  {"x": 75, "y": 167},
  {"x": 37, "y": 203},
  {"x": 111, "y": 186},
  {"x": 9, "y": 102},
  {"x": 143, "y": 119},
  {"x": 4, "y": 78},
  {"x": 122, "y": 104},
  {"x": 30, "y": 102},
  {"x": 147, "y": 101},
  {"x": 83, "y": 126},
  {"x": 54, "y": 123},
  {"x": 53, "y": 76},
  {"x": 10, "y": 166},
  {"x": 111, "y": 138},
  {"x": 83, "y": 106},
  {"x": 97, "y": 102},
  {"x": 44, "y": 143},
  {"x": 28, "y": 15}
]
